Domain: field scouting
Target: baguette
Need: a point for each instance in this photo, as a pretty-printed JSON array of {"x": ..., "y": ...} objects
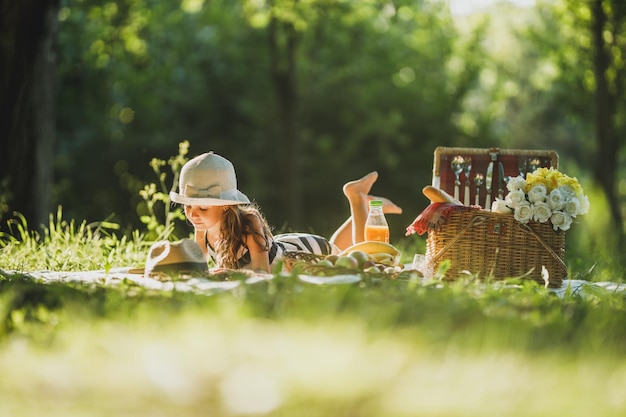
[{"x": 435, "y": 195}]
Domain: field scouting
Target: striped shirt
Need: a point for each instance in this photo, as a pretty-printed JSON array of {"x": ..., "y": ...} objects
[{"x": 300, "y": 242}]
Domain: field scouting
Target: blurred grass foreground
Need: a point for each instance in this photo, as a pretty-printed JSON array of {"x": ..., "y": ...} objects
[
  {"x": 281, "y": 347},
  {"x": 284, "y": 347}
]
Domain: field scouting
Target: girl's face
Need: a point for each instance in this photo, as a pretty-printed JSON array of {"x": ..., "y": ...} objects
[{"x": 204, "y": 217}]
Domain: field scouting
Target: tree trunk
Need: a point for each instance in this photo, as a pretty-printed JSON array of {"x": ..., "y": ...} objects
[
  {"x": 282, "y": 47},
  {"x": 605, "y": 170},
  {"x": 28, "y": 32}
]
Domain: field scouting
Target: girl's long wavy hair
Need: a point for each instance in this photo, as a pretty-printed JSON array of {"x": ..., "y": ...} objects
[{"x": 237, "y": 223}]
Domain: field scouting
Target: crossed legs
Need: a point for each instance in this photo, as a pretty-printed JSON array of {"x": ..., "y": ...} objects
[{"x": 357, "y": 192}]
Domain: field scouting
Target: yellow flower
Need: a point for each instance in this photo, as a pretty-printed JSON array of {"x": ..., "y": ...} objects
[
  {"x": 553, "y": 177},
  {"x": 573, "y": 183},
  {"x": 535, "y": 178}
]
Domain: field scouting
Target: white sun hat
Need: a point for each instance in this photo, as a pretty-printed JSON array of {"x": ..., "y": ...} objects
[
  {"x": 208, "y": 180},
  {"x": 181, "y": 257}
]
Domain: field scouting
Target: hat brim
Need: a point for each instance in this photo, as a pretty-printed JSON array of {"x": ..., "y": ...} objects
[
  {"x": 173, "y": 257},
  {"x": 179, "y": 268},
  {"x": 240, "y": 198}
]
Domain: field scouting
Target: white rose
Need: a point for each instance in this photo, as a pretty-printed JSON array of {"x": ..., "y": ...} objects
[
  {"x": 584, "y": 204},
  {"x": 561, "y": 220},
  {"x": 517, "y": 183},
  {"x": 541, "y": 212},
  {"x": 537, "y": 193},
  {"x": 523, "y": 213},
  {"x": 567, "y": 191},
  {"x": 572, "y": 207},
  {"x": 500, "y": 206},
  {"x": 556, "y": 199},
  {"x": 515, "y": 197}
]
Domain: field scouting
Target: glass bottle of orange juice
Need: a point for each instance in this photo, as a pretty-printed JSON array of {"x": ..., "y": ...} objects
[{"x": 376, "y": 227}]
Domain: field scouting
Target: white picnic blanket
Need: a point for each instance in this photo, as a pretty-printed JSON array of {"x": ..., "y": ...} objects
[{"x": 202, "y": 285}]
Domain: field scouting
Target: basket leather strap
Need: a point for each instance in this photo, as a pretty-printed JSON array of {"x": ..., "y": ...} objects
[{"x": 551, "y": 251}]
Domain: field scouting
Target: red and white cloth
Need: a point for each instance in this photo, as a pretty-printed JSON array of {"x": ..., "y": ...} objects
[{"x": 433, "y": 217}]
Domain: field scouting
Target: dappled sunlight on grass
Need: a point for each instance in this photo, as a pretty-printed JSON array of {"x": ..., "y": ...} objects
[{"x": 65, "y": 245}]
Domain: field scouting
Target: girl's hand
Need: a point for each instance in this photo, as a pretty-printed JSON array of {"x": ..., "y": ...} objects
[
  {"x": 216, "y": 271},
  {"x": 224, "y": 273}
]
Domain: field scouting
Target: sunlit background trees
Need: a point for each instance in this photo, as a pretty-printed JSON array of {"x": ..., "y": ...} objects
[{"x": 304, "y": 95}]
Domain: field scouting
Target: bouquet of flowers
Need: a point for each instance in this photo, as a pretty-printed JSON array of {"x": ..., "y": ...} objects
[{"x": 544, "y": 195}]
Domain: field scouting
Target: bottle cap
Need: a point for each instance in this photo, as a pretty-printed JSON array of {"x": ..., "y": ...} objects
[{"x": 376, "y": 203}]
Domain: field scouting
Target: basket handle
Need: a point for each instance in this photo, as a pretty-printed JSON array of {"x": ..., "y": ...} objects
[
  {"x": 474, "y": 221},
  {"x": 530, "y": 231},
  {"x": 480, "y": 219}
]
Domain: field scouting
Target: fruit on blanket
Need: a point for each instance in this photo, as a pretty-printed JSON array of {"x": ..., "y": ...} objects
[
  {"x": 383, "y": 258},
  {"x": 348, "y": 262},
  {"x": 367, "y": 264},
  {"x": 360, "y": 256},
  {"x": 381, "y": 253},
  {"x": 366, "y": 256},
  {"x": 332, "y": 258},
  {"x": 375, "y": 269},
  {"x": 372, "y": 247}
]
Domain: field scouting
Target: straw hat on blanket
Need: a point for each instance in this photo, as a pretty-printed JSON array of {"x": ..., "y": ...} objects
[{"x": 173, "y": 258}]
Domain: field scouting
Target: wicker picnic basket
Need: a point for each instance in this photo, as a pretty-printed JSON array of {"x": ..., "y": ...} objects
[
  {"x": 490, "y": 244},
  {"x": 495, "y": 245}
]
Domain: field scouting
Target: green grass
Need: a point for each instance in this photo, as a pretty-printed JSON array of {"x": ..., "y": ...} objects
[
  {"x": 67, "y": 246},
  {"x": 283, "y": 347},
  {"x": 380, "y": 347}
]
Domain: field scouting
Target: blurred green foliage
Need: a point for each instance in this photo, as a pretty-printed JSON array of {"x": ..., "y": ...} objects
[
  {"x": 141, "y": 76},
  {"x": 378, "y": 85}
]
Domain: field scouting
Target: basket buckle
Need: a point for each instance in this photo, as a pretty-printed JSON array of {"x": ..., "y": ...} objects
[{"x": 497, "y": 228}]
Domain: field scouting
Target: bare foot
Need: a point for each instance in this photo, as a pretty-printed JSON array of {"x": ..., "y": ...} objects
[
  {"x": 360, "y": 187},
  {"x": 388, "y": 206}
]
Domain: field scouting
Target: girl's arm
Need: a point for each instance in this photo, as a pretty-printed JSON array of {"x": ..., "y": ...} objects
[
  {"x": 259, "y": 253},
  {"x": 200, "y": 237}
]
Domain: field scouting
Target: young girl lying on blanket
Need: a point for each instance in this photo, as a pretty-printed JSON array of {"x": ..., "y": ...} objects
[{"x": 233, "y": 232}]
